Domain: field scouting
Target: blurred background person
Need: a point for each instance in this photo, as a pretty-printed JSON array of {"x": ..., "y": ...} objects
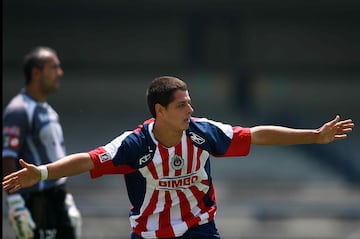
[{"x": 32, "y": 130}]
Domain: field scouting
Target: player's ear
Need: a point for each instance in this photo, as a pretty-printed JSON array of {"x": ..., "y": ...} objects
[
  {"x": 35, "y": 72},
  {"x": 159, "y": 109}
]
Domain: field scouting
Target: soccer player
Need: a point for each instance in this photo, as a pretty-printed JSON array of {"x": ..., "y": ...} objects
[
  {"x": 32, "y": 131},
  {"x": 166, "y": 162}
]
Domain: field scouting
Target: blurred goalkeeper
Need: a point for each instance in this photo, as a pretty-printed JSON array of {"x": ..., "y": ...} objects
[{"x": 31, "y": 130}]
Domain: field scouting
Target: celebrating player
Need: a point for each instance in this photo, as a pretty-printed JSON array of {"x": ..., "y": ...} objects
[
  {"x": 166, "y": 162},
  {"x": 31, "y": 130}
]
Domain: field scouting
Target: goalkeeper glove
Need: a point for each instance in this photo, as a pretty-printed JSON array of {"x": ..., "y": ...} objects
[
  {"x": 74, "y": 214},
  {"x": 20, "y": 217}
]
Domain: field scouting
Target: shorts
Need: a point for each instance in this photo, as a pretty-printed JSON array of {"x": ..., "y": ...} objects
[
  {"x": 49, "y": 213},
  {"x": 208, "y": 231}
]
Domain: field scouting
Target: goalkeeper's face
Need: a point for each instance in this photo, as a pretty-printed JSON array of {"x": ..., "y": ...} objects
[{"x": 50, "y": 75}]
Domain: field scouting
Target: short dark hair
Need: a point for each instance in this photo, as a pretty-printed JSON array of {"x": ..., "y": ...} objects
[
  {"x": 35, "y": 59},
  {"x": 161, "y": 91}
]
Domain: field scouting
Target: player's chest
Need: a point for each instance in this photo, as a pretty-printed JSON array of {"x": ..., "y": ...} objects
[{"x": 180, "y": 160}]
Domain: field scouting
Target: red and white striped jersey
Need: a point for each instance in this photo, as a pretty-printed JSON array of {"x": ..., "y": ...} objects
[{"x": 170, "y": 189}]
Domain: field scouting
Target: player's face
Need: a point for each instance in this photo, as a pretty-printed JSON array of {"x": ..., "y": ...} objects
[
  {"x": 50, "y": 75},
  {"x": 178, "y": 112}
]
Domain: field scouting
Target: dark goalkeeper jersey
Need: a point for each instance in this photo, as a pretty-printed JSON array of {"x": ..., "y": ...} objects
[
  {"x": 170, "y": 189},
  {"x": 31, "y": 131}
]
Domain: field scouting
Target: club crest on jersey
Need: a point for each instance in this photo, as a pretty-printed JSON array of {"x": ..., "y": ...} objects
[
  {"x": 196, "y": 138},
  {"x": 43, "y": 117},
  {"x": 177, "y": 162},
  {"x": 104, "y": 157}
]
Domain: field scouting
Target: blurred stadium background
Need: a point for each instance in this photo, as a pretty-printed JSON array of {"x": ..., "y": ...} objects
[{"x": 294, "y": 63}]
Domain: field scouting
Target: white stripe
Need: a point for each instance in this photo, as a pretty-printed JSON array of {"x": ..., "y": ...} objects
[
  {"x": 153, "y": 223},
  {"x": 180, "y": 229},
  {"x": 204, "y": 156},
  {"x": 157, "y": 160},
  {"x": 195, "y": 159},
  {"x": 171, "y": 152},
  {"x": 150, "y": 188},
  {"x": 148, "y": 235},
  {"x": 175, "y": 213},
  {"x": 204, "y": 218},
  {"x": 184, "y": 150}
]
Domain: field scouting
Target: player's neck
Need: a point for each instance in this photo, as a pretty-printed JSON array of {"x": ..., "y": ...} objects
[
  {"x": 166, "y": 137},
  {"x": 36, "y": 94}
]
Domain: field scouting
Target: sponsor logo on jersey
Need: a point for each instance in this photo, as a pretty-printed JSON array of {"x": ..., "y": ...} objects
[
  {"x": 177, "y": 162},
  {"x": 104, "y": 157},
  {"x": 11, "y": 142},
  {"x": 144, "y": 159},
  {"x": 196, "y": 138},
  {"x": 43, "y": 117},
  {"x": 183, "y": 182},
  {"x": 13, "y": 130}
]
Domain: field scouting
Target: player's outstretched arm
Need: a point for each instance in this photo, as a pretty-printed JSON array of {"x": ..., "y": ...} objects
[
  {"x": 30, "y": 174},
  {"x": 279, "y": 135}
]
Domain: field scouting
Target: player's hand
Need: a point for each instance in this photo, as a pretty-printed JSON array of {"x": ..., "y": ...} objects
[
  {"x": 334, "y": 130},
  {"x": 25, "y": 177},
  {"x": 20, "y": 218}
]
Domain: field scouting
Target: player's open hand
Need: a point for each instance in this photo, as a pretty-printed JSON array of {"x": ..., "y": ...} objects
[
  {"x": 334, "y": 130},
  {"x": 25, "y": 177}
]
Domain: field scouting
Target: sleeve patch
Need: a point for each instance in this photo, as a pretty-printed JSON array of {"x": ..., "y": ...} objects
[{"x": 104, "y": 157}]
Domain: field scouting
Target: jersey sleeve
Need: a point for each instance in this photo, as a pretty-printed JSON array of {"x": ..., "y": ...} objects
[
  {"x": 240, "y": 143},
  {"x": 222, "y": 140},
  {"x": 103, "y": 158},
  {"x": 103, "y": 164}
]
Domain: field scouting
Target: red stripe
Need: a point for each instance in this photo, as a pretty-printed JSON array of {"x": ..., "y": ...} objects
[
  {"x": 198, "y": 159},
  {"x": 178, "y": 151},
  {"x": 186, "y": 214},
  {"x": 142, "y": 221},
  {"x": 165, "y": 228},
  {"x": 190, "y": 156},
  {"x": 152, "y": 169},
  {"x": 211, "y": 213},
  {"x": 199, "y": 195},
  {"x": 164, "y": 153}
]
